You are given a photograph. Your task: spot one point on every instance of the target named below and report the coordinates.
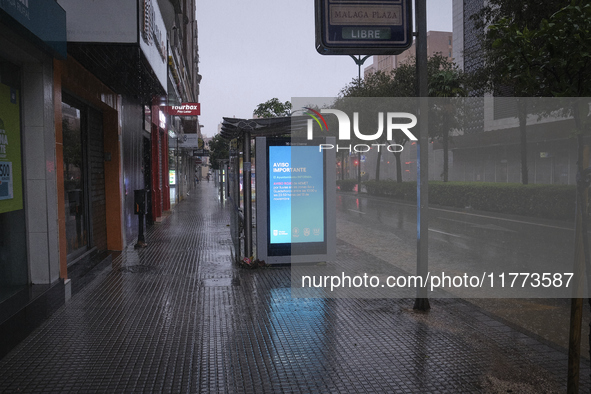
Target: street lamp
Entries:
(200, 146)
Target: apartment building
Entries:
(437, 42)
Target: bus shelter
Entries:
(238, 182)
(254, 201)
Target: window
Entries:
(75, 190)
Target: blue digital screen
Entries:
(296, 194)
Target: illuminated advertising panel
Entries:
(296, 199)
(295, 211)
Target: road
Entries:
(472, 242)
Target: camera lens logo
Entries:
(315, 115)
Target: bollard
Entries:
(139, 208)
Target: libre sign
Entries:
(363, 27)
(187, 109)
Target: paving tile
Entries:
(178, 316)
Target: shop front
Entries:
(32, 34)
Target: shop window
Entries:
(75, 180)
(14, 272)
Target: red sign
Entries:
(186, 109)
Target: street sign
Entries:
(200, 152)
(363, 27)
(188, 141)
(186, 109)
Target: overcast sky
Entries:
(252, 51)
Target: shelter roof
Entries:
(262, 127)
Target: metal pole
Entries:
(247, 197)
(359, 67)
(422, 302)
(358, 172)
(221, 180)
(141, 240)
(576, 315)
(359, 61)
(177, 178)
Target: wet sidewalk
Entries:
(178, 316)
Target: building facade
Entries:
(437, 42)
(32, 35)
(488, 147)
(83, 128)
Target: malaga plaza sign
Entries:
(363, 27)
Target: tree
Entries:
(401, 82)
(374, 85)
(218, 150)
(555, 57)
(446, 114)
(510, 78)
(273, 108)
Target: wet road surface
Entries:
(468, 241)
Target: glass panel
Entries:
(13, 248)
(14, 274)
(74, 183)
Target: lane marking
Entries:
(475, 225)
(352, 210)
(473, 214)
(505, 219)
(454, 220)
(442, 232)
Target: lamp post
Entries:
(359, 61)
(422, 301)
(200, 146)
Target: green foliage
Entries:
(398, 190)
(523, 15)
(446, 80)
(218, 150)
(550, 59)
(346, 185)
(273, 108)
(447, 83)
(376, 84)
(546, 201)
(538, 49)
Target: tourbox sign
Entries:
(186, 109)
(363, 27)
